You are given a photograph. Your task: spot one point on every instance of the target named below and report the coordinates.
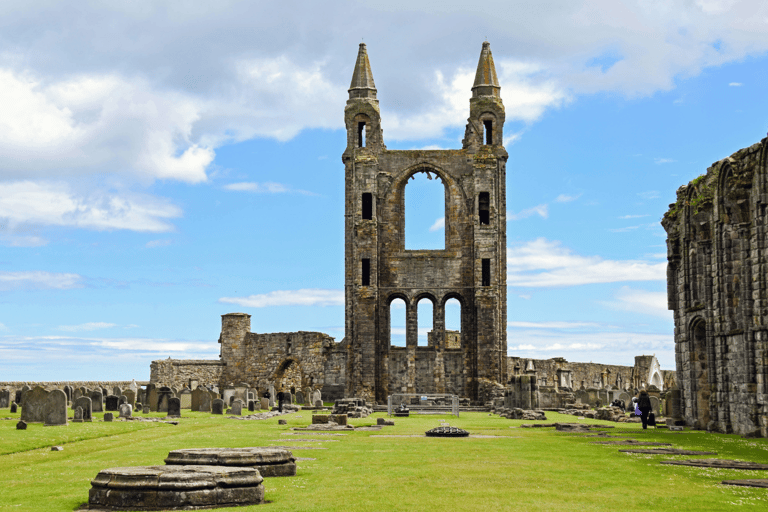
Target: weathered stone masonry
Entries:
(716, 286)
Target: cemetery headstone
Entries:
(264, 403)
(78, 415)
(97, 401)
(111, 403)
(139, 406)
(68, 391)
(307, 396)
(121, 400)
(21, 425)
(318, 403)
(108, 416)
(14, 407)
(126, 410)
(33, 405)
(272, 395)
(5, 398)
(217, 406)
(117, 391)
(317, 397)
(186, 399)
(299, 397)
(145, 410)
(655, 402)
(163, 394)
(201, 400)
(86, 404)
(55, 408)
(130, 396)
(237, 407)
(153, 395)
(251, 405)
(174, 407)
(76, 393)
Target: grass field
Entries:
(512, 469)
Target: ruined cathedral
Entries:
(471, 269)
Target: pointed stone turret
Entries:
(362, 85)
(486, 81)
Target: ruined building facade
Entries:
(718, 289)
(471, 268)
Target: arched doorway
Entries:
(700, 369)
(288, 376)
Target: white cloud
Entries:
(735, 84)
(552, 325)
(541, 210)
(439, 224)
(544, 263)
(640, 301)
(3, 327)
(268, 187)
(659, 161)
(14, 240)
(303, 297)
(633, 216)
(158, 243)
(57, 204)
(39, 280)
(89, 326)
(624, 229)
(564, 198)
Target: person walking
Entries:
(280, 400)
(644, 404)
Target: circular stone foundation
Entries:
(447, 432)
(269, 461)
(175, 488)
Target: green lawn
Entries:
(517, 469)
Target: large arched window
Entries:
(397, 323)
(426, 324)
(424, 212)
(453, 324)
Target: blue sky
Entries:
(163, 164)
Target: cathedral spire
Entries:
(362, 85)
(486, 81)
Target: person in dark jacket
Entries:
(644, 404)
(280, 400)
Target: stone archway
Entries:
(288, 376)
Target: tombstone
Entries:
(319, 404)
(78, 415)
(317, 397)
(655, 406)
(272, 395)
(200, 400)
(108, 416)
(68, 391)
(152, 393)
(237, 407)
(21, 425)
(33, 405)
(186, 399)
(138, 407)
(264, 403)
(14, 407)
(627, 400)
(307, 396)
(117, 391)
(163, 395)
(133, 386)
(251, 405)
(5, 398)
(299, 397)
(241, 392)
(76, 393)
(174, 407)
(228, 395)
(145, 410)
(85, 403)
(217, 406)
(112, 403)
(130, 396)
(121, 400)
(126, 410)
(97, 399)
(17, 396)
(55, 408)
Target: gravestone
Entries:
(14, 407)
(68, 391)
(251, 405)
(174, 407)
(121, 400)
(117, 391)
(17, 396)
(264, 402)
(201, 400)
(126, 410)
(111, 403)
(86, 405)
(108, 416)
(21, 425)
(33, 405)
(317, 397)
(5, 398)
(138, 407)
(299, 397)
(307, 396)
(55, 408)
(272, 395)
(217, 406)
(627, 399)
(97, 401)
(145, 410)
(186, 399)
(152, 394)
(237, 407)
(78, 415)
(163, 395)
(130, 396)
(76, 393)
(655, 406)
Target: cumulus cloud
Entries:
(544, 263)
(640, 301)
(264, 188)
(303, 297)
(438, 225)
(39, 280)
(89, 326)
(57, 204)
(542, 210)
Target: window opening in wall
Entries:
(426, 323)
(361, 134)
(486, 272)
(366, 272)
(453, 324)
(484, 208)
(288, 348)
(488, 124)
(397, 323)
(367, 205)
(425, 198)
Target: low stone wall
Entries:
(178, 372)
